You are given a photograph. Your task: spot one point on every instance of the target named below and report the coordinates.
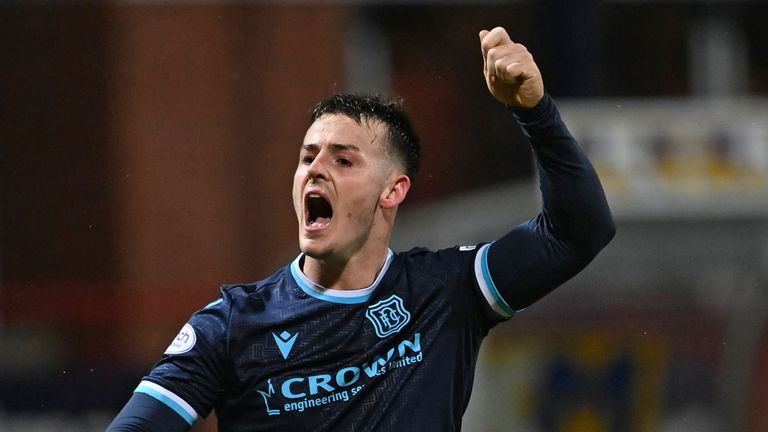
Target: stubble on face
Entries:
(351, 166)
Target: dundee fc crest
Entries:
(388, 316)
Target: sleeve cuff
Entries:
(167, 397)
(487, 287)
(542, 111)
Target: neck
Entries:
(356, 272)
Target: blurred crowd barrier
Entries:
(653, 155)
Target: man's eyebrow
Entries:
(337, 147)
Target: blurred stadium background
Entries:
(147, 149)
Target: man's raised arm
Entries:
(575, 222)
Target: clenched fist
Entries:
(510, 72)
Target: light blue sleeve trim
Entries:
(487, 287)
(169, 399)
(213, 303)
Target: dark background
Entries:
(147, 150)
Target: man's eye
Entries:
(308, 159)
(345, 162)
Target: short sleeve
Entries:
(487, 287)
(190, 378)
(464, 271)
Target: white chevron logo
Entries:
(285, 342)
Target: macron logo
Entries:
(285, 342)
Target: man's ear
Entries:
(396, 191)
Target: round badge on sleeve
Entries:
(184, 341)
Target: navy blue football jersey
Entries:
(286, 354)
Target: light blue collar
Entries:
(333, 295)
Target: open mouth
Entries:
(319, 211)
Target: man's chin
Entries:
(314, 250)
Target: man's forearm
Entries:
(575, 206)
(144, 413)
(574, 225)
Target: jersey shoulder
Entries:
(215, 319)
(237, 293)
(457, 272)
(441, 261)
(449, 267)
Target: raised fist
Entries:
(510, 72)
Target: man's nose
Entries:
(317, 169)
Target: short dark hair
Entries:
(403, 141)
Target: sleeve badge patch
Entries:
(184, 341)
